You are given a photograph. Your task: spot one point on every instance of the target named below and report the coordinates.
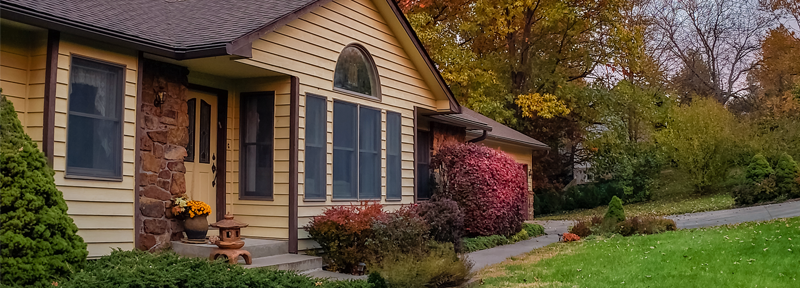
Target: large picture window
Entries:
(94, 126)
(356, 152)
(355, 73)
(316, 152)
(256, 151)
(393, 157)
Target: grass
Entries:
(754, 254)
(672, 195)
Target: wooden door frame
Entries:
(222, 140)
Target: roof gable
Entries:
(185, 29)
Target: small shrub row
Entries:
(762, 183)
(588, 196)
(615, 222)
(485, 242)
(533, 230)
(169, 270)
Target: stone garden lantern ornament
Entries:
(230, 241)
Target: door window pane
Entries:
(94, 131)
(316, 140)
(205, 131)
(192, 104)
(423, 165)
(393, 164)
(344, 150)
(257, 145)
(369, 154)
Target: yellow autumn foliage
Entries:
(544, 105)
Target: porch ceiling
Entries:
(223, 66)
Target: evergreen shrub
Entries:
(615, 211)
(170, 270)
(488, 185)
(38, 240)
(786, 174)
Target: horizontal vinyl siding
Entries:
(266, 219)
(309, 47)
(103, 210)
(22, 75)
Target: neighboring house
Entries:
(270, 110)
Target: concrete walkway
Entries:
(491, 256)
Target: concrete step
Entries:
(293, 262)
(258, 248)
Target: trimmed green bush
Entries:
(786, 174)
(377, 280)
(484, 242)
(615, 211)
(759, 169)
(521, 235)
(38, 243)
(170, 270)
(534, 230)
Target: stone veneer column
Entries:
(162, 149)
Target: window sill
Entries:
(356, 94)
(315, 200)
(93, 178)
(258, 198)
(356, 200)
(394, 199)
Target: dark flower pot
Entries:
(196, 228)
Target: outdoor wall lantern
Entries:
(160, 96)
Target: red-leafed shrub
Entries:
(342, 232)
(445, 220)
(582, 228)
(488, 185)
(569, 237)
(402, 231)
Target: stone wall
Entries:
(162, 140)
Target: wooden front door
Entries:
(201, 159)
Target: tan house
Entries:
(269, 110)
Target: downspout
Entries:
(481, 138)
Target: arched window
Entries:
(355, 72)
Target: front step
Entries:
(257, 247)
(293, 262)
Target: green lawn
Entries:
(678, 204)
(756, 254)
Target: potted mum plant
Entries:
(195, 218)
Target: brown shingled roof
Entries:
(502, 132)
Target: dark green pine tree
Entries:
(38, 240)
